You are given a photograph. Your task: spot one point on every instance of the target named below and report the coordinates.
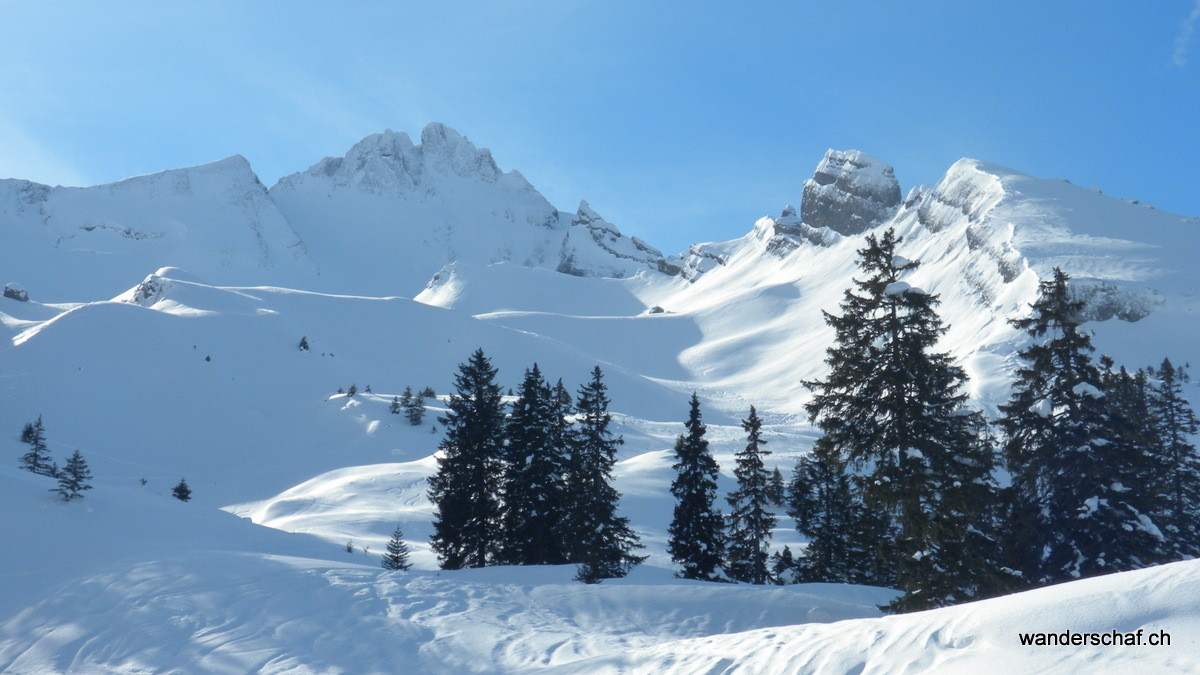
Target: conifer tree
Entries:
(1176, 425)
(533, 490)
(893, 409)
(1140, 455)
(181, 491)
(1073, 510)
(783, 567)
(465, 489)
(843, 535)
(598, 540)
(73, 478)
(414, 407)
(696, 534)
(750, 523)
(396, 557)
(303, 346)
(37, 459)
(395, 407)
(352, 390)
(777, 491)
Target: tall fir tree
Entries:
(1071, 477)
(599, 541)
(465, 489)
(533, 490)
(894, 409)
(73, 478)
(750, 522)
(696, 534)
(37, 459)
(181, 491)
(396, 557)
(1176, 425)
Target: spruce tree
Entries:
(303, 346)
(465, 489)
(395, 407)
(37, 459)
(1176, 425)
(181, 491)
(598, 540)
(533, 491)
(696, 534)
(414, 407)
(73, 478)
(783, 567)
(1069, 467)
(396, 557)
(750, 523)
(777, 490)
(843, 535)
(1140, 456)
(893, 409)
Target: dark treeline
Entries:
(899, 490)
(529, 483)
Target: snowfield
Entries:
(161, 340)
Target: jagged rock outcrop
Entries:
(16, 292)
(789, 232)
(850, 193)
(595, 247)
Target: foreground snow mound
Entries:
(972, 638)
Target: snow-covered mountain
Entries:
(216, 220)
(384, 218)
(160, 339)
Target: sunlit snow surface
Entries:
(184, 375)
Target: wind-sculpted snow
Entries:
(156, 585)
(973, 638)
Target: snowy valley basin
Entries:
(161, 334)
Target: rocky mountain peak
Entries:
(849, 193)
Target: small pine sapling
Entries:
(73, 478)
(303, 343)
(396, 557)
(181, 491)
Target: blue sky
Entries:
(679, 122)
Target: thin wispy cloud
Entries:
(1184, 39)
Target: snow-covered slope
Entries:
(216, 220)
(195, 372)
(977, 637)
